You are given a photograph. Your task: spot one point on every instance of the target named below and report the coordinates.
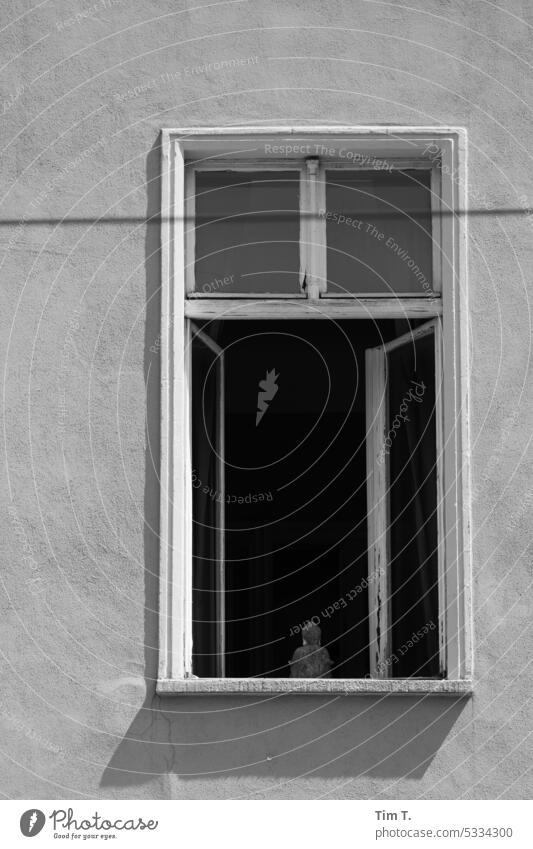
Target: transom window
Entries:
(310, 227)
(314, 525)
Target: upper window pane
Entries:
(247, 232)
(378, 228)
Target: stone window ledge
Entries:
(312, 686)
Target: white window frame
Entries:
(313, 226)
(444, 149)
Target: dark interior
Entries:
(295, 505)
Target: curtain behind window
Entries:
(413, 511)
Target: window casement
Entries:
(332, 258)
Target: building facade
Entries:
(87, 94)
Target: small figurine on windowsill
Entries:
(311, 660)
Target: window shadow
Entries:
(276, 738)
(286, 737)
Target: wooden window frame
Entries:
(429, 147)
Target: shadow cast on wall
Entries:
(285, 737)
(270, 737)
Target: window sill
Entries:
(311, 686)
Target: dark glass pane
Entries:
(413, 510)
(247, 232)
(379, 231)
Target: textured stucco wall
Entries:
(80, 310)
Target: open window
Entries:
(313, 411)
(318, 507)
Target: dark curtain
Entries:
(251, 621)
(260, 630)
(413, 511)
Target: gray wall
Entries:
(80, 311)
